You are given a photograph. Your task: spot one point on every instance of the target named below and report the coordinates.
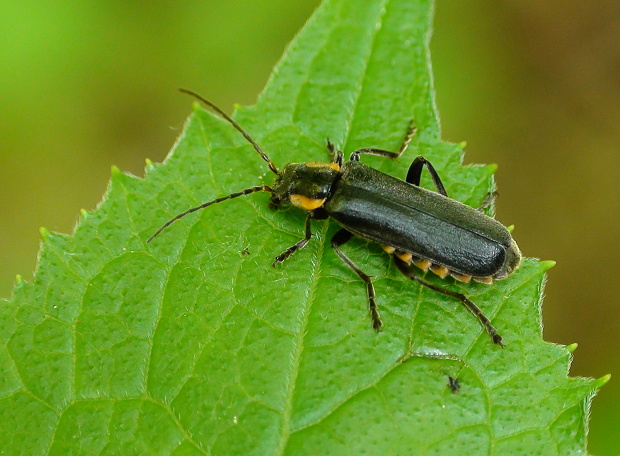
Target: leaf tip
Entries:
(18, 279)
(572, 347)
(115, 171)
(196, 106)
(600, 382)
(546, 265)
(45, 233)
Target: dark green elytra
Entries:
(428, 225)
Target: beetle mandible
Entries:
(417, 226)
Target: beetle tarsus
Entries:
(374, 316)
(340, 238)
(411, 131)
(497, 339)
(297, 246)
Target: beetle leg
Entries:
(355, 156)
(336, 155)
(415, 171)
(330, 147)
(473, 308)
(338, 158)
(299, 245)
(411, 129)
(340, 238)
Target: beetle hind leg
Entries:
(408, 272)
(340, 238)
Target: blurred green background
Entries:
(532, 86)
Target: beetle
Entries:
(417, 226)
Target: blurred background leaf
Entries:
(532, 86)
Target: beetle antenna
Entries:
(259, 188)
(245, 134)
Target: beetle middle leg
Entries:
(340, 238)
(409, 272)
(297, 246)
(415, 172)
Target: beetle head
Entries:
(304, 185)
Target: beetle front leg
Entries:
(339, 239)
(415, 172)
(473, 308)
(336, 155)
(299, 245)
(411, 129)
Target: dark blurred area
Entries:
(532, 86)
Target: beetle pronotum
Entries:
(417, 226)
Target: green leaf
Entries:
(189, 345)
